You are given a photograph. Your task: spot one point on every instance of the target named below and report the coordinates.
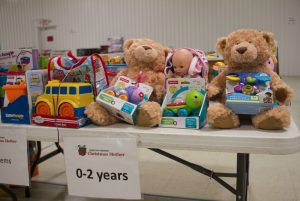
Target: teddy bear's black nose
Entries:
(241, 50)
(147, 47)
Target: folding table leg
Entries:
(9, 192)
(242, 177)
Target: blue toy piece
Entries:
(182, 113)
(169, 113)
(131, 94)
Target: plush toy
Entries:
(140, 55)
(247, 51)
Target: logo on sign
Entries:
(81, 150)
(124, 80)
(173, 82)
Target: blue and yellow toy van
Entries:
(72, 99)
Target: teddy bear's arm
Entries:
(123, 72)
(283, 93)
(216, 87)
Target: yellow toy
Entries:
(216, 68)
(115, 60)
(72, 99)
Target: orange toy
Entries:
(15, 91)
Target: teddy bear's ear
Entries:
(167, 51)
(221, 44)
(127, 44)
(269, 37)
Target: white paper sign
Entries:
(102, 167)
(13, 157)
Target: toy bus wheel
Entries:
(123, 97)
(66, 110)
(182, 113)
(43, 109)
(110, 92)
(169, 113)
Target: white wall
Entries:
(178, 23)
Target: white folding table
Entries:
(244, 140)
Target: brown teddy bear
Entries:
(140, 55)
(247, 51)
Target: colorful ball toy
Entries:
(183, 108)
(131, 94)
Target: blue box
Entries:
(17, 112)
(248, 93)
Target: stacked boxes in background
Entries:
(115, 44)
(44, 62)
(28, 57)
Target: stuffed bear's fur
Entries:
(140, 55)
(247, 51)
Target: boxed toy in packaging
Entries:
(17, 111)
(124, 98)
(248, 93)
(28, 57)
(115, 40)
(115, 44)
(63, 104)
(62, 53)
(36, 81)
(11, 78)
(82, 52)
(184, 104)
(44, 62)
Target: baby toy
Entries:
(15, 91)
(149, 57)
(272, 60)
(185, 65)
(216, 68)
(248, 83)
(244, 51)
(131, 94)
(181, 108)
(72, 99)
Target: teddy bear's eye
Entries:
(238, 43)
(250, 42)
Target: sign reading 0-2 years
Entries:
(102, 167)
(13, 157)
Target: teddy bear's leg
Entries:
(277, 118)
(220, 116)
(99, 115)
(149, 114)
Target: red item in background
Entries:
(49, 38)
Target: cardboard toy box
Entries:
(44, 62)
(177, 91)
(68, 122)
(16, 112)
(62, 53)
(36, 81)
(248, 93)
(28, 57)
(119, 108)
